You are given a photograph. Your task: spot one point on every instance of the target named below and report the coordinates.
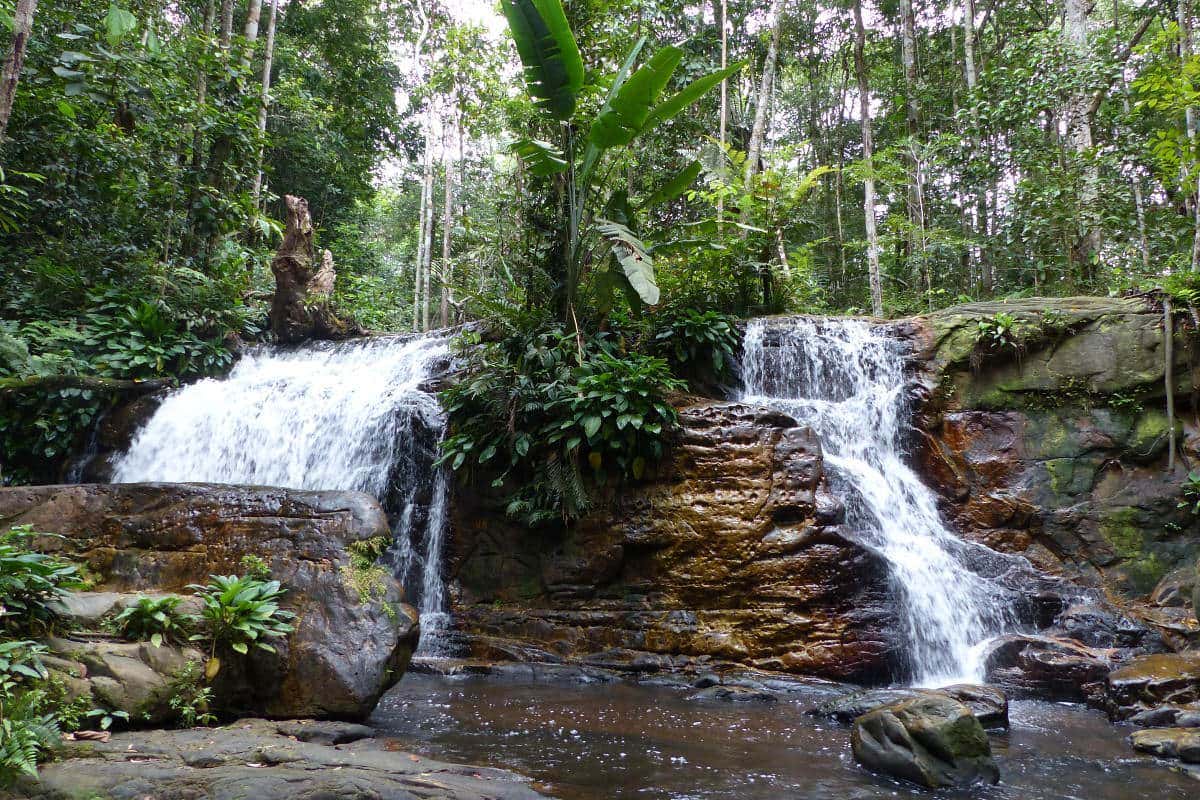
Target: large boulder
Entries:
(263, 760)
(932, 740)
(1056, 447)
(1150, 681)
(987, 703)
(353, 636)
(731, 552)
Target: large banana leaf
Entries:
(688, 95)
(625, 113)
(553, 67)
(540, 158)
(632, 256)
(675, 186)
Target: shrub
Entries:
(698, 342)
(1190, 491)
(26, 729)
(255, 567)
(241, 612)
(153, 619)
(30, 582)
(537, 407)
(189, 699)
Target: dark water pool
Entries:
(623, 740)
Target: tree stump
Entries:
(301, 308)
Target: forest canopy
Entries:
(631, 169)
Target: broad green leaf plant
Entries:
(634, 105)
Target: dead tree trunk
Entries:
(301, 306)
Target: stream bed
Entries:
(633, 740)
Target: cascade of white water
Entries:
(845, 378)
(347, 416)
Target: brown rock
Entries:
(1181, 743)
(161, 537)
(1151, 681)
(1047, 667)
(731, 552)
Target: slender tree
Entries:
(864, 93)
(264, 99)
(11, 75)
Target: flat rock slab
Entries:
(1181, 743)
(1150, 681)
(262, 760)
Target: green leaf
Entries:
(240, 647)
(591, 425)
(118, 23)
(625, 114)
(540, 158)
(553, 67)
(156, 640)
(675, 186)
(634, 260)
(689, 94)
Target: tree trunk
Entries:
(22, 27)
(722, 124)
(762, 109)
(264, 100)
(1079, 135)
(864, 93)
(427, 268)
(226, 35)
(300, 309)
(419, 269)
(250, 32)
(984, 265)
(447, 219)
(912, 124)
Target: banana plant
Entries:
(634, 105)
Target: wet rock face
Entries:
(1180, 743)
(1055, 448)
(1046, 666)
(346, 649)
(987, 703)
(931, 740)
(1152, 681)
(732, 552)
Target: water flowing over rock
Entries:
(1055, 447)
(730, 553)
(846, 378)
(348, 416)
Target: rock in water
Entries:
(1149, 681)
(1181, 743)
(931, 740)
(353, 636)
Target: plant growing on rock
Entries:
(153, 619)
(1190, 491)
(189, 699)
(30, 582)
(241, 612)
(538, 406)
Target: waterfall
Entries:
(346, 416)
(845, 378)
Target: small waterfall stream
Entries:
(346, 416)
(845, 378)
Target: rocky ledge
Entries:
(732, 552)
(353, 636)
(255, 758)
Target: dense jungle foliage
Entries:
(608, 169)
